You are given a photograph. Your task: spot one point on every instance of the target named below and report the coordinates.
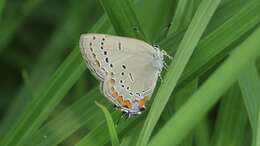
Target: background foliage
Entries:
(209, 95)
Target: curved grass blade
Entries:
(188, 44)
(110, 125)
(209, 93)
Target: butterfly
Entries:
(127, 68)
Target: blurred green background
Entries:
(35, 37)
(47, 96)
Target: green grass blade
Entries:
(97, 136)
(209, 93)
(9, 27)
(213, 47)
(60, 136)
(154, 20)
(225, 12)
(179, 15)
(206, 53)
(54, 139)
(123, 18)
(258, 130)
(39, 108)
(75, 116)
(2, 5)
(188, 44)
(51, 56)
(110, 125)
(232, 120)
(249, 83)
(202, 133)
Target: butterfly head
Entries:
(159, 58)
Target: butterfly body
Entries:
(127, 68)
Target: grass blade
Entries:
(50, 58)
(232, 120)
(154, 20)
(249, 83)
(188, 44)
(39, 108)
(75, 116)
(123, 18)
(209, 93)
(213, 47)
(2, 5)
(179, 15)
(258, 130)
(9, 27)
(55, 139)
(110, 125)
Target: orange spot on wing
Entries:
(141, 102)
(127, 104)
(114, 94)
(120, 99)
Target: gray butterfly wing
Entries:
(125, 65)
